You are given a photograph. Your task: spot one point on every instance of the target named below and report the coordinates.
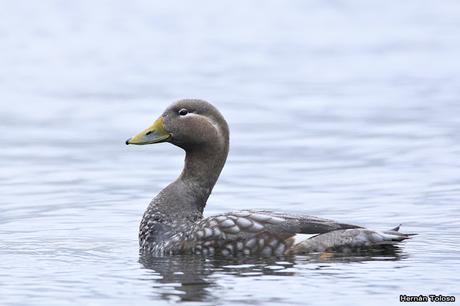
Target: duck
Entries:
(173, 222)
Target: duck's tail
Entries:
(350, 240)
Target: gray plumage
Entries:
(173, 222)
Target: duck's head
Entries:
(188, 124)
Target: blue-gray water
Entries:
(342, 109)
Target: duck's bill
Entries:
(153, 134)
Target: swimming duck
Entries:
(173, 222)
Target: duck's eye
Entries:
(183, 112)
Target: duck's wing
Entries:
(299, 223)
(270, 233)
(255, 232)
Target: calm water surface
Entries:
(342, 109)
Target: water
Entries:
(341, 109)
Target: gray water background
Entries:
(342, 109)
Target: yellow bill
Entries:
(153, 134)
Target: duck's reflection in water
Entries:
(192, 277)
(185, 274)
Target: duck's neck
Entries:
(186, 197)
(202, 168)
